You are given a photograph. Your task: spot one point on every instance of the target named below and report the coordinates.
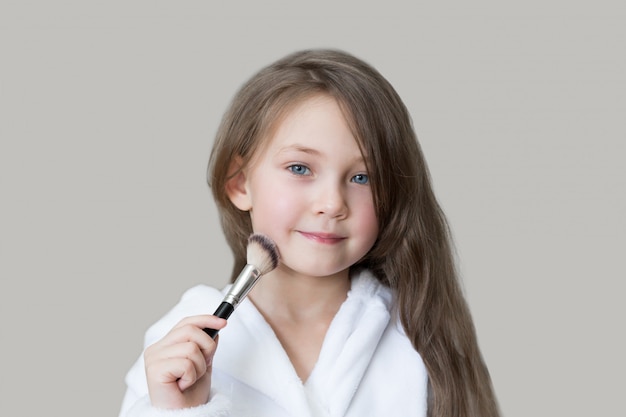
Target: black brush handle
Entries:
(223, 311)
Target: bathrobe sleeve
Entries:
(197, 300)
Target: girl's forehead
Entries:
(311, 122)
(304, 106)
(289, 118)
(318, 108)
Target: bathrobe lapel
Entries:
(253, 354)
(350, 344)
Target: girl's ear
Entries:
(236, 186)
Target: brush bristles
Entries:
(262, 253)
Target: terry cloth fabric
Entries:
(366, 366)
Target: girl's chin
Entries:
(312, 271)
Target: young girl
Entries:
(364, 315)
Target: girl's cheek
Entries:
(283, 207)
(276, 210)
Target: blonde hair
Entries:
(413, 253)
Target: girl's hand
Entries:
(178, 367)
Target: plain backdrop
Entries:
(107, 116)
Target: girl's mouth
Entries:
(320, 237)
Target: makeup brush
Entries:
(261, 257)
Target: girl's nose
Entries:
(331, 201)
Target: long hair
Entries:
(413, 253)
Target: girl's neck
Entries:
(300, 309)
(285, 295)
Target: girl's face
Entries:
(308, 189)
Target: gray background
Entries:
(108, 111)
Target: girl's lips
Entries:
(320, 237)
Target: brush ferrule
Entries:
(243, 284)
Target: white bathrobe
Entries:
(366, 366)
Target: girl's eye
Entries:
(299, 169)
(361, 179)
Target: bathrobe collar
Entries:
(346, 352)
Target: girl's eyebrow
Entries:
(298, 148)
(308, 150)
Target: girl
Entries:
(364, 314)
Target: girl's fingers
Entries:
(178, 367)
(196, 322)
(184, 354)
(190, 330)
(179, 371)
(187, 350)
(202, 321)
(181, 364)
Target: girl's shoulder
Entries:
(370, 289)
(201, 294)
(366, 286)
(200, 299)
